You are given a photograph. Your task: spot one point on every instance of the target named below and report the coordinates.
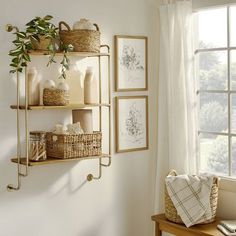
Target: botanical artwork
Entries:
(132, 123)
(131, 63)
(130, 59)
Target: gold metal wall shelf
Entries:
(51, 160)
(68, 107)
(19, 160)
(76, 54)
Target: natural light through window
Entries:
(213, 28)
(216, 76)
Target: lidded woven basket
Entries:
(171, 212)
(83, 40)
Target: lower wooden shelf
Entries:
(51, 160)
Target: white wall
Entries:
(56, 200)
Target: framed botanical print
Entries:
(131, 66)
(131, 123)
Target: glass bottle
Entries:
(37, 146)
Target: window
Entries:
(216, 76)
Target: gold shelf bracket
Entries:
(11, 187)
(91, 177)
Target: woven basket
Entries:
(170, 210)
(42, 44)
(82, 40)
(65, 146)
(55, 97)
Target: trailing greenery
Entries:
(43, 27)
(20, 52)
(23, 42)
(65, 62)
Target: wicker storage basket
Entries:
(82, 40)
(171, 213)
(55, 97)
(42, 44)
(66, 146)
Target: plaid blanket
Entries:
(191, 197)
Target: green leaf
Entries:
(28, 42)
(29, 46)
(13, 54)
(35, 37)
(15, 60)
(30, 30)
(50, 47)
(17, 42)
(12, 71)
(31, 23)
(48, 36)
(48, 17)
(26, 57)
(20, 69)
(18, 49)
(41, 28)
(21, 35)
(23, 64)
(13, 65)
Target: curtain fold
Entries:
(176, 96)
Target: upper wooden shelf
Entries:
(68, 107)
(78, 54)
(51, 160)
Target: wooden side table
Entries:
(162, 224)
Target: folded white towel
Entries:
(191, 197)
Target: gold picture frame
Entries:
(131, 63)
(132, 132)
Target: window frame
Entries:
(227, 91)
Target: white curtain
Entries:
(176, 105)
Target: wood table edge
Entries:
(161, 219)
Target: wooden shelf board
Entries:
(51, 160)
(68, 107)
(80, 54)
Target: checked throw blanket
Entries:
(191, 197)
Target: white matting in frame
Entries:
(131, 123)
(131, 63)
